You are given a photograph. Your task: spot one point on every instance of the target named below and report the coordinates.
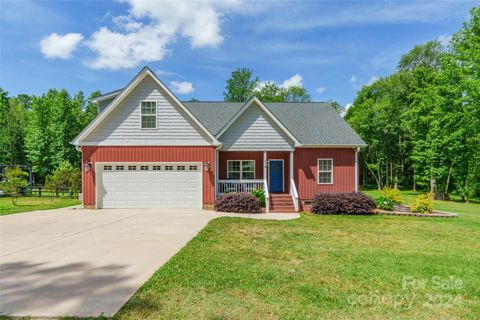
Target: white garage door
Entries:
(149, 185)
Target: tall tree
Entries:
(295, 94)
(13, 123)
(426, 55)
(240, 86)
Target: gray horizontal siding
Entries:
(254, 130)
(122, 125)
(103, 104)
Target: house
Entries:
(147, 149)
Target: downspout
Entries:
(357, 150)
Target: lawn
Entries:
(25, 204)
(322, 267)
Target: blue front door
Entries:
(275, 177)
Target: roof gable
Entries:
(124, 94)
(255, 102)
(254, 129)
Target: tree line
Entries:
(422, 123)
(38, 130)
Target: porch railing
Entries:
(226, 186)
(267, 196)
(294, 193)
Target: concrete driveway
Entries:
(85, 262)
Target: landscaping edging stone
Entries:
(434, 214)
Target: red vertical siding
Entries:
(148, 154)
(224, 156)
(305, 161)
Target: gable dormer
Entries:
(255, 128)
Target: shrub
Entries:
(237, 202)
(385, 203)
(392, 194)
(64, 178)
(260, 195)
(15, 179)
(343, 203)
(423, 203)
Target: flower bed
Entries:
(403, 210)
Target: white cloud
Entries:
(444, 39)
(60, 46)
(309, 16)
(371, 80)
(344, 111)
(320, 90)
(182, 87)
(353, 79)
(295, 81)
(126, 50)
(165, 73)
(135, 41)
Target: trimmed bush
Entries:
(423, 203)
(392, 194)
(260, 195)
(385, 203)
(237, 202)
(343, 203)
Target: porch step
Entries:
(281, 202)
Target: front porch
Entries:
(245, 171)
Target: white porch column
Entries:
(265, 165)
(216, 173)
(356, 168)
(291, 165)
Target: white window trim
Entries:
(241, 170)
(318, 171)
(156, 115)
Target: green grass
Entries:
(321, 267)
(25, 204)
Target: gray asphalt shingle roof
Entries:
(310, 122)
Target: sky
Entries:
(332, 48)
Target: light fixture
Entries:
(88, 166)
(207, 166)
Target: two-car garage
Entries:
(149, 185)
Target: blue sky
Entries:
(331, 48)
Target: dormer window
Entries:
(148, 114)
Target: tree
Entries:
(295, 94)
(426, 55)
(14, 180)
(338, 107)
(422, 123)
(240, 86)
(90, 110)
(269, 92)
(64, 178)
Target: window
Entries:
(119, 168)
(132, 167)
(325, 171)
(193, 168)
(107, 168)
(156, 168)
(143, 168)
(181, 168)
(168, 168)
(240, 169)
(149, 114)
